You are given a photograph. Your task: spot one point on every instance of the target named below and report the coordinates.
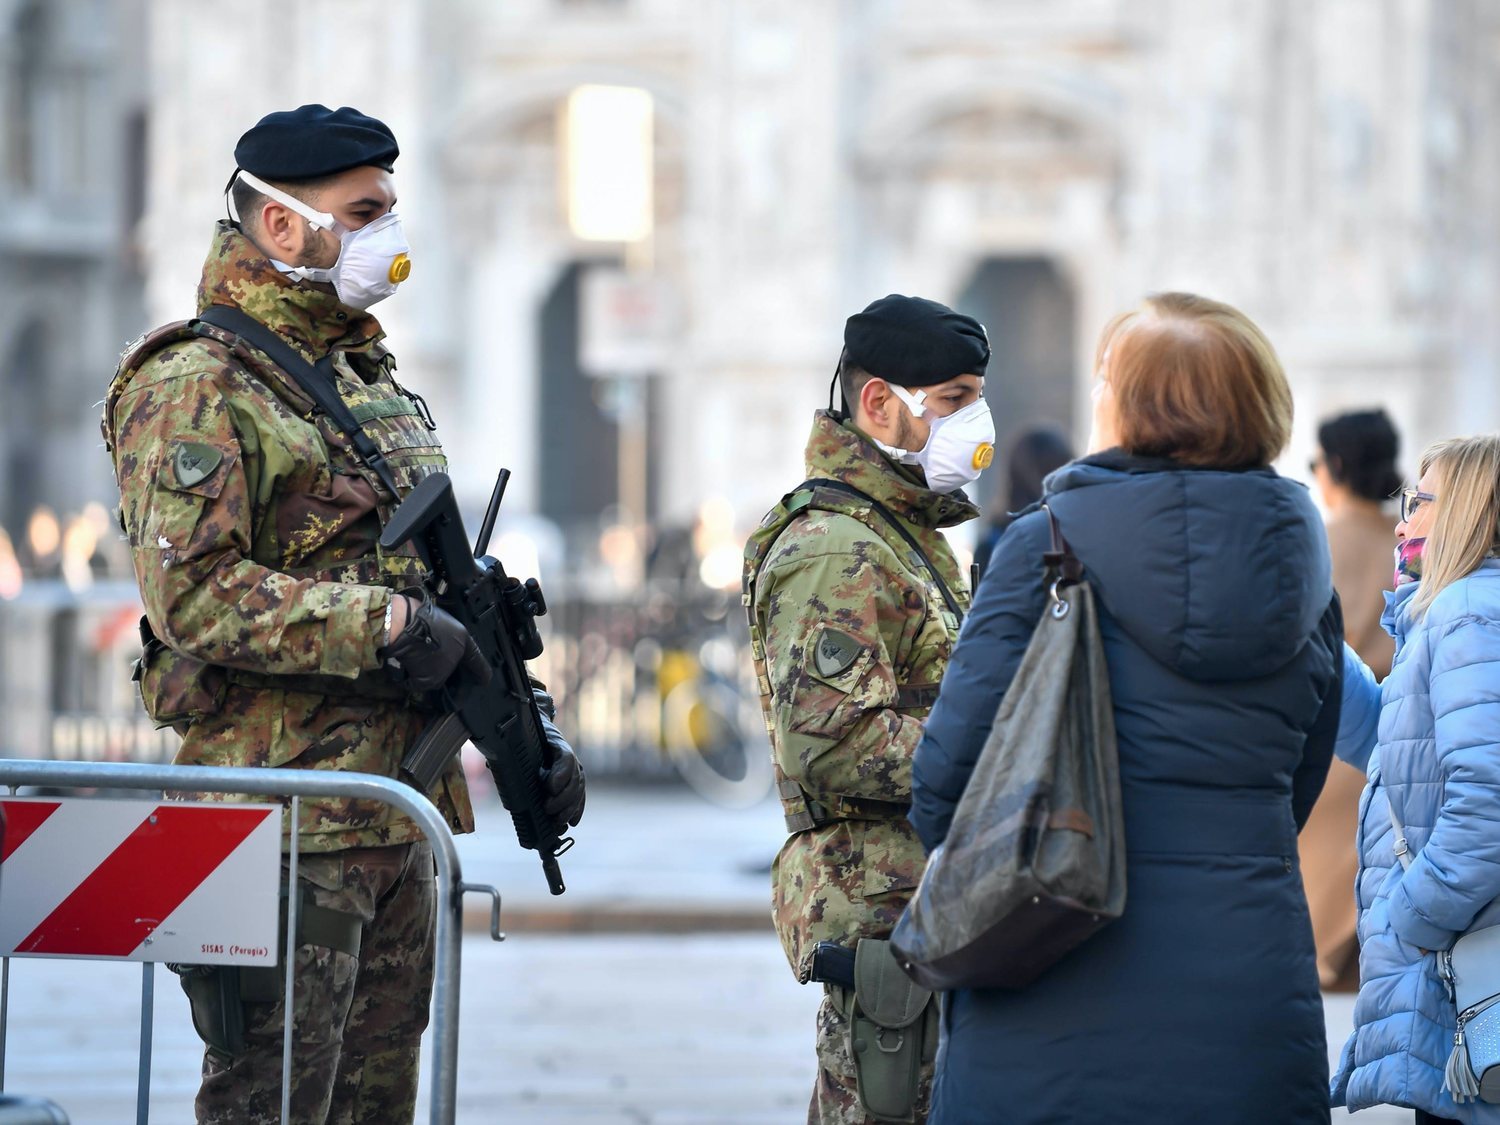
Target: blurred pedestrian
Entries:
(1033, 454)
(855, 601)
(1222, 637)
(1431, 730)
(277, 631)
(1356, 475)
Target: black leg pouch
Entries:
(213, 993)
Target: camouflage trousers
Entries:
(357, 1022)
(835, 1099)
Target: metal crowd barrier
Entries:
(294, 783)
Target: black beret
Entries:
(914, 342)
(313, 141)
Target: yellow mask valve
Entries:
(400, 268)
(983, 456)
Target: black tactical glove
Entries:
(544, 701)
(562, 781)
(431, 648)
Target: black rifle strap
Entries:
(317, 380)
(890, 518)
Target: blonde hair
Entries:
(1195, 380)
(1466, 513)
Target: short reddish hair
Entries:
(1196, 381)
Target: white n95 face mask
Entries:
(959, 446)
(372, 261)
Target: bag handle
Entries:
(1063, 567)
(890, 518)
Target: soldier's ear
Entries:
(283, 230)
(876, 400)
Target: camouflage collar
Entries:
(839, 450)
(238, 274)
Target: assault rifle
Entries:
(500, 718)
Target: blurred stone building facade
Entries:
(1332, 166)
(1328, 165)
(72, 189)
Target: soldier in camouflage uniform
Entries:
(855, 601)
(275, 630)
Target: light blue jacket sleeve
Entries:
(1457, 872)
(1359, 721)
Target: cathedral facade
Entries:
(1329, 166)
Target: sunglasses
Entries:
(1412, 501)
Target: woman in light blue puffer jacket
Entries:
(1430, 740)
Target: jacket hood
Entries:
(1219, 575)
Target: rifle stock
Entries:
(500, 718)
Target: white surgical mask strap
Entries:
(913, 401)
(323, 220)
(304, 273)
(900, 456)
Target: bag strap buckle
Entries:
(1062, 564)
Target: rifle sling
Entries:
(890, 518)
(316, 381)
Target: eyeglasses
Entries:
(1412, 501)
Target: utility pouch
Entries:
(176, 689)
(893, 1032)
(218, 994)
(213, 993)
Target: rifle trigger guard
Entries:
(494, 893)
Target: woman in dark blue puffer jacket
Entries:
(1223, 639)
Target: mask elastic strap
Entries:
(229, 210)
(914, 401)
(303, 273)
(322, 220)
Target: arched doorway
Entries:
(1029, 310)
(514, 254)
(580, 463)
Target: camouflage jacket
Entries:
(851, 636)
(254, 530)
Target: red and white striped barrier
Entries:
(140, 880)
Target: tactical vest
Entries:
(802, 810)
(177, 688)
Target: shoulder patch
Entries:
(836, 652)
(195, 462)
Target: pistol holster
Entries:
(218, 994)
(893, 1032)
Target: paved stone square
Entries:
(628, 1016)
(554, 1030)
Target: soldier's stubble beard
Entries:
(315, 249)
(316, 254)
(906, 433)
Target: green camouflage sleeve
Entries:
(187, 507)
(832, 674)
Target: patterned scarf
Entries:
(1409, 561)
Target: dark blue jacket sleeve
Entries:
(1317, 755)
(994, 638)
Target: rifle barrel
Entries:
(491, 514)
